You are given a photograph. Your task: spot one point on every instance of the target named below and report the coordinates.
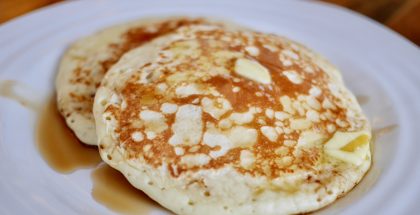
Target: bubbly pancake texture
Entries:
(216, 121)
(87, 60)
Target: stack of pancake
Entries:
(208, 117)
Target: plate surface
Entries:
(378, 65)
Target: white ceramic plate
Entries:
(376, 63)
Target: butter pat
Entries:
(351, 147)
(252, 70)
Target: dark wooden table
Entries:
(403, 16)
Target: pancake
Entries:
(85, 63)
(217, 121)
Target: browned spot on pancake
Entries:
(282, 85)
(243, 100)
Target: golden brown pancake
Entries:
(218, 121)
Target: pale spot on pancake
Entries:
(289, 143)
(168, 108)
(341, 123)
(215, 107)
(287, 104)
(147, 148)
(187, 90)
(287, 130)
(298, 106)
(179, 151)
(330, 128)
(327, 104)
(154, 121)
(252, 70)
(315, 91)
(286, 62)
(310, 139)
(225, 123)
(243, 118)
(188, 126)
(123, 105)
(312, 115)
(308, 69)
(261, 121)
(177, 78)
(280, 115)
(161, 88)
(284, 161)
(270, 47)
(195, 160)
(282, 151)
(269, 113)
(115, 99)
(293, 76)
(252, 50)
(150, 135)
(279, 130)
(270, 133)
(334, 89)
(194, 148)
(247, 159)
(300, 124)
(214, 139)
(236, 89)
(289, 53)
(313, 103)
(195, 101)
(137, 136)
(242, 136)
